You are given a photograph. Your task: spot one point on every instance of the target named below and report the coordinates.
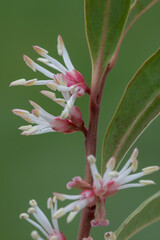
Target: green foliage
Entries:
(139, 105)
(147, 213)
(138, 9)
(105, 21)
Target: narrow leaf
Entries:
(139, 105)
(147, 213)
(138, 8)
(105, 21)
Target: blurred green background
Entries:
(35, 166)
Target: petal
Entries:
(79, 183)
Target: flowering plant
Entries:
(139, 105)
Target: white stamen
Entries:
(43, 60)
(46, 130)
(49, 203)
(61, 212)
(124, 174)
(36, 236)
(113, 174)
(44, 71)
(91, 159)
(45, 115)
(109, 167)
(94, 171)
(71, 101)
(42, 82)
(71, 216)
(63, 197)
(31, 210)
(62, 51)
(30, 63)
(40, 51)
(49, 94)
(54, 221)
(149, 170)
(47, 62)
(60, 88)
(131, 185)
(146, 182)
(55, 64)
(52, 86)
(134, 165)
(25, 128)
(64, 113)
(42, 219)
(111, 163)
(134, 155)
(34, 66)
(109, 236)
(60, 101)
(31, 131)
(82, 203)
(33, 203)
(132, 177)
(18, 82)
(20, 112)
(30, 82)
(53, 238)
(26, 217)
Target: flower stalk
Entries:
(96, 92)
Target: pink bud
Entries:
(79, 183)
(63, 125)
(76, 116)
(75, 78)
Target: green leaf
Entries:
(138, 8)
(105, 21)
(147, 213)
(139, 105)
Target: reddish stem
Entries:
(90, 146)
(91, 138)
(84, 130)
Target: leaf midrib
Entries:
(133, 124)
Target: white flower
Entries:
(69, 81)
(42, 223)
(103, 187)
(46, 122)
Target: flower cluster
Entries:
(69, 82)
(43, 225)
(103, 187)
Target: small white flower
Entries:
(46, 122)
(69, 81)
(103, 187)
(42, 223)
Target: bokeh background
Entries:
(35, 166)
